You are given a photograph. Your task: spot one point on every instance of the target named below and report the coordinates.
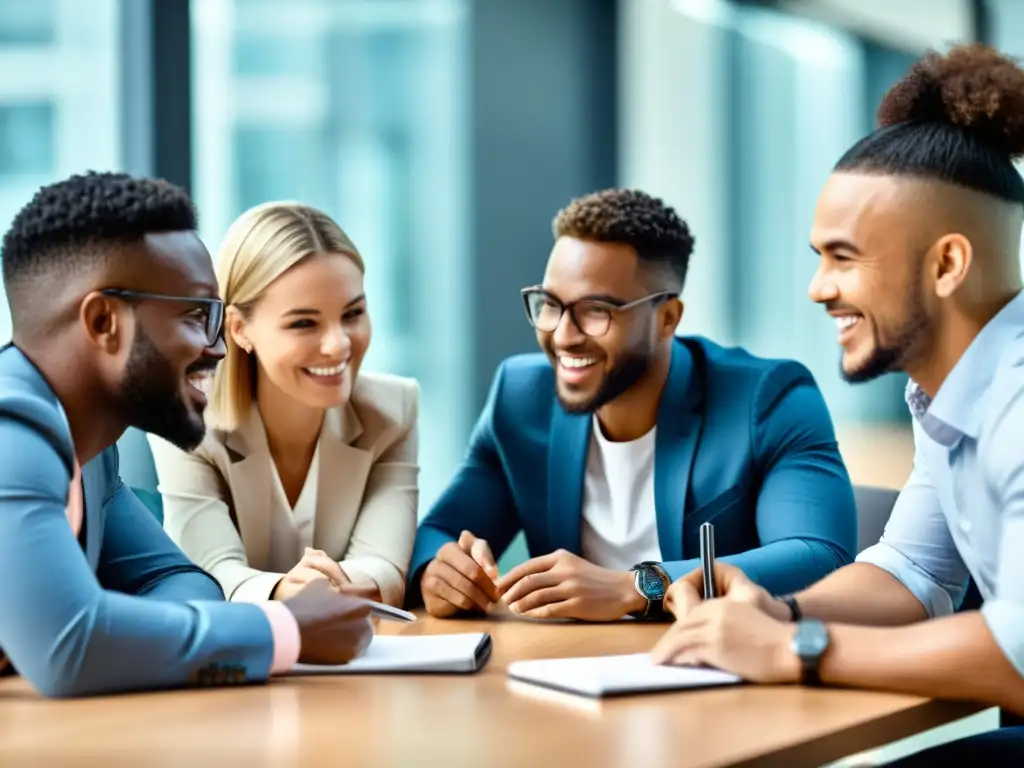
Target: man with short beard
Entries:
(116, 323)
(918, 232)
(613, 447)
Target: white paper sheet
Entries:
(615, 675)
(466, 652)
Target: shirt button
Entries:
(965, 525)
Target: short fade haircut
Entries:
(66, 225)
(627, 216)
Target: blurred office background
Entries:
(444, 134)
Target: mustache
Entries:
(836, 306)
(578, 349)
(202, 366)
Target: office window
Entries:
(266, 158)
(28, 22)
(791, 118)
(259, 55)
(27, 138)
(356, 108)
(60, 106)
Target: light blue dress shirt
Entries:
(961, 512)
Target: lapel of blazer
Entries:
(567, 464)
(251, 479)
(679, 427)
(94, 477)
(343, 473)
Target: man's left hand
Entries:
(565, 586)
(733, 636)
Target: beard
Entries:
(631, 367)
(152, 399)
(893, 356)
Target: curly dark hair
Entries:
(660, 238)
(956, 117)
(66, 225)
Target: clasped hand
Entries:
(317, 564)
(464, 577)
(745, 631)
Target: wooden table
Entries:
(478, 720)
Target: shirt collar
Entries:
(956, 410)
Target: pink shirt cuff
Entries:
(285, 630)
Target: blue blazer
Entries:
(743, 442)
(119, 608)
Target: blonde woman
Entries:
(309, 468)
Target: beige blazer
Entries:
(217, 500)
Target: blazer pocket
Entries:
(723, 502)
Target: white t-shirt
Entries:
(620, 527)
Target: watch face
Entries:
(811, 638)
(651, 586)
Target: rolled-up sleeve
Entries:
(1004, 611)
(917, 547)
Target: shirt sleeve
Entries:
(917, 547)
(1004, 611)
(287, 642)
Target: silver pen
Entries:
(707, 559)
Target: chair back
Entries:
(874, 505)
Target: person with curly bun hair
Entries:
(613, 446)
(918, 233)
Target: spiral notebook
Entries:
(463, 653)
(600, 676)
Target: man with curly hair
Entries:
(918, 232)
(116, 323)
(613, 446)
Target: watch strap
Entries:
(809, 674)
(655, 607)
(795, 614)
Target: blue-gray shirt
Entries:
(961, 512)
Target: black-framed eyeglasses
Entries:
(213, 316)
(592, 316)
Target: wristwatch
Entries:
(651, 581)
(809, 644)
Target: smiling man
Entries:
(116, 323)
(918, 232)
(613, 446)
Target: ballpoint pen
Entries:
(707, 559)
